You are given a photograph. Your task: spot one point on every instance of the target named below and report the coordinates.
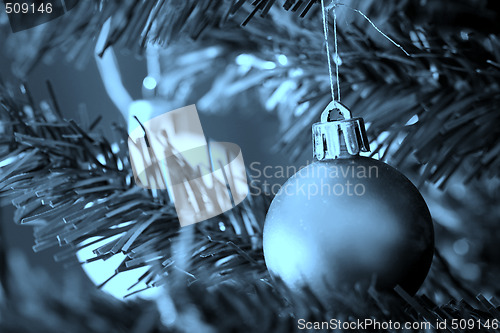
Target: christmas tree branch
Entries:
(71, 185)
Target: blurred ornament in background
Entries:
(347, 219)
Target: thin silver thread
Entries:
(325, 30)
(337, 58)
(373, 25)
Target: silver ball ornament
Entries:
(347, 219)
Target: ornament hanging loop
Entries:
(338, 138)
(335, 107)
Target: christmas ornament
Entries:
(348, 219)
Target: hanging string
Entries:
(324, 11)
(334, 5)
(337, 57)
(325, 30)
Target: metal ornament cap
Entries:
(341, 138)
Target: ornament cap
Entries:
(340, 138)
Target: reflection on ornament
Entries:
(347, 219)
